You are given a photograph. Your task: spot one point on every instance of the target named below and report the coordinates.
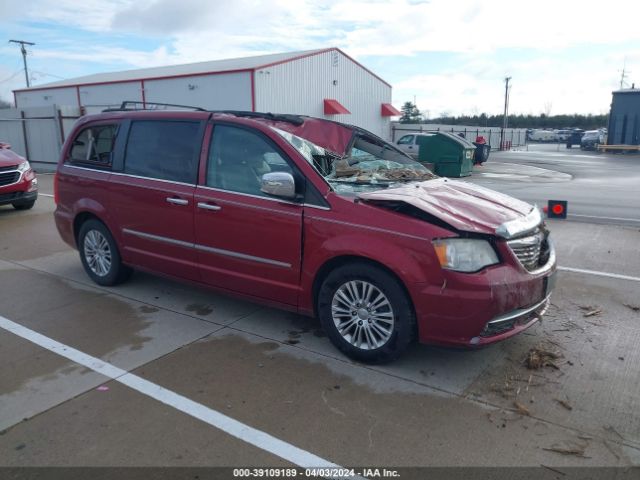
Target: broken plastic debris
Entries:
(102, 388)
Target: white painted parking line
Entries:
(599, 274)
(605, 218)
(248, 434)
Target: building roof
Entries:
(200, 68)
(627, 90)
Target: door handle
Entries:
(208, 206)
(177, 201)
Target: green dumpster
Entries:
(451, 154)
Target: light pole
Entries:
(505, 120)
(22, 44)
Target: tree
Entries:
(5, 104)
(410, 113)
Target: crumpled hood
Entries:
(463, 205)
(9, 158)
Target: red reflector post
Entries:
(557, 209)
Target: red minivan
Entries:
(305, 214)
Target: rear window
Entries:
(166, 150)
(93, 147)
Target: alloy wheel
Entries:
(97, 253)
(362, 314)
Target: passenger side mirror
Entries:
(279, 184)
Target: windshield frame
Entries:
(305, 148)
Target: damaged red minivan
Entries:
(308, 215)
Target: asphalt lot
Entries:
(161, 370)
(600, 188)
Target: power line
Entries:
(12, 76)
(23, 50)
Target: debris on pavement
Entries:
(570, 448)
(635, 308)
(590, 311)
(102, 388)
(564, 403)
(521, 409)
(539, 357)
(552, 469)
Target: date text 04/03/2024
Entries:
(286, 473)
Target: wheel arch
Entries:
(80, 219)
(335, 262)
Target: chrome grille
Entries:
(9, 178)
(530, 250)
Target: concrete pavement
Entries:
(277, 373)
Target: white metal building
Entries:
(322, 83)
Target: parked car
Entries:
(543, 136)
(305, 214)
(563, 135)
(591, 139)
(18, 182)
(409, 145)
(575, 138)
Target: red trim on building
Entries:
(388, 110)
(334, 107)
(144, 98)
(253, 91)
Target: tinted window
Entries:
(93, 146)
(406, 140)
(238, 158)
(163, 150)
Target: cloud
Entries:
(162, 32)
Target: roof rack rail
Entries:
(129, 105)
(276, 117)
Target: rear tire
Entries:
(24, 206)
(366, 313)
(100, 255)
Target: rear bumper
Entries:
(64, 224)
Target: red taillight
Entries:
(55, 188)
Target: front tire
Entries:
(100, 255)
(366, 313)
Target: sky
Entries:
(450, 56)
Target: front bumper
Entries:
(472, 310)
(23, 191)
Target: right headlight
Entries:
(24, 166)
(464, 254)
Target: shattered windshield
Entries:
(370, 163)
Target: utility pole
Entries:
(625, 74)
(505, 120)
(22, 44)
